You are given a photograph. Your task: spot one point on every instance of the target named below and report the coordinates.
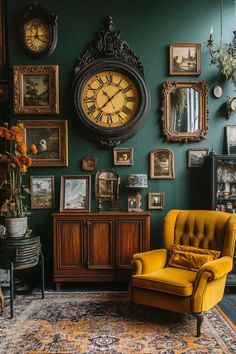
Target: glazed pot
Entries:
(16, 227)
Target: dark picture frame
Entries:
(42, 193)
(35, 89)
(231, 139)
(185, 59)
(156, 200)
(89, 163)
(107, 183)
(196, 157)
(162, 164)
(53, 134)
(123, 156)
(75, 195)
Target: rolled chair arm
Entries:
(148, 262)
(217, 268)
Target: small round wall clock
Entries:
(111, 96)
(38, 31)
(218, 91)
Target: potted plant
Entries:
(225, 60)
(14, 164)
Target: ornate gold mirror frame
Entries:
(185, 102)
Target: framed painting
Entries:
(162, 164)
(133, 203)
(2, 37)
(89, 163)
(35, 89)
(196, 157)
(42, 192)
(123, 156)
(231, 139)
(156, 200)
(75, 193)
(107, 184)
(185, 59)
(46, 142)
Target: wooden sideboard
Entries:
(97, 246)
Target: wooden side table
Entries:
(20, 254)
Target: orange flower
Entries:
(26, 160)
(23, 169)
(2, 132)
(22, 148)
(20, 125)
(34, 149)
(19, 137)
(9, 135)
(15, 129)
(15, 160)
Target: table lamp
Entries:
(137, 181)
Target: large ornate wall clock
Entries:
(111, 96)
(38, 31)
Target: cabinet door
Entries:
(100, 244)
(70, 246)
(129, 241)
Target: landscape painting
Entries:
(185, 59)
(42, 192)
(36, 90)
(75, 193)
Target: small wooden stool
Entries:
(1, 301)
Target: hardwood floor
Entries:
(228, 305)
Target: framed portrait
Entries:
(156, 200)
(89, 163)
(185, 59)
(107, 183)
(162, 164)
(50, 140)
(2, 37)
(123, 156)
(231, 139)
(75, 193)
(196, 157)
(133, 203)
(35, 89)
(42, 192)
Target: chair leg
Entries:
(200, 317)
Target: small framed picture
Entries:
(231, 139)
(196, 157)
(123, 156)
(185, 59)
(162, 164)
(133, 203)
(107, 184)
(156, 200)
(75, 193)
(49, 137)
(89, 163)
(42, 192)
(35, 89)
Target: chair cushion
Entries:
(191, 258)
(167, 280)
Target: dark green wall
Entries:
(149, 26)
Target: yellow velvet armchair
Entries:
(155, 283)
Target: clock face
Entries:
(233, 104)
(36, 35)
(109, 99)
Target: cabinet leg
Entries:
(58, 286)
(42, 274)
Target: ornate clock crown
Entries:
(108, 45)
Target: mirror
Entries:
(185, 110)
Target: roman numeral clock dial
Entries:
(110, 99)
(111, 96)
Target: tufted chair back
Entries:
(200, 228)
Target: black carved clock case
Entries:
(110, 53)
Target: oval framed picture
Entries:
(218, 91)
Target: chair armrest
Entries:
(148, 262)
(217, 268)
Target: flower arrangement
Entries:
(15, 164)
(225, 61)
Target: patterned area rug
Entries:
(78, 322)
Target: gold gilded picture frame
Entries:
(185, 59)
(50, 138)
(156, 200)
(42, 193)
(35, 89)
(162, 164)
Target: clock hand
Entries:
(110, 98)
